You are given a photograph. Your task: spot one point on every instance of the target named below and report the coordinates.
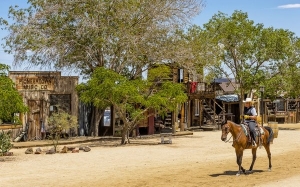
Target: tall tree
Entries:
(133, 99)
(288, 80)
(92, 33)
(124, 36)
(203, 53)
(10, 100)
(250, 53)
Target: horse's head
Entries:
(225, 130)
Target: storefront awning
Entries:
(228, 98)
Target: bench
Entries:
(166, 133)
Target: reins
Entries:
(238, 137)
(226, 141)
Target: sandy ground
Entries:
(201, 159)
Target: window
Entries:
(180, 75)
(62, 101)
(292, 105)
(197, 107)
(280, 105)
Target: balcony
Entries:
(200, 90)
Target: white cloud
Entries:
(289, 6)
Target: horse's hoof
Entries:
(249, 171)
(269, 169)
(238, 174)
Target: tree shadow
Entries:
(7, 158)
(229, 173)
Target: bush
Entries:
(5, 144)
(58, 122)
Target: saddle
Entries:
(258, 130)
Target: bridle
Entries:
(227, 131)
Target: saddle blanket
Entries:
(246, 129)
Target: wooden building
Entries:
(43, 92)
(282, 110)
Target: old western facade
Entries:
(43, 92)
(206, 107)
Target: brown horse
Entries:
(240, 143)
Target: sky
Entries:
(283, 14)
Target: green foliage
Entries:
(121, 35)
(10, 100)
(202, 53)
(134, 97)
(249, 53)
(58, 122)
(109, 88)
(5, 142)
(127, 37)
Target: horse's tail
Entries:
(271, 134)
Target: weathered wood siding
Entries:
(37, 89)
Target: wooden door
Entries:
(34, 129)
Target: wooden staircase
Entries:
(213, 121)
(168, 120)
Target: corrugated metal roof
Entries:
(228, 86)
(228, 98)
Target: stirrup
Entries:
(254, 144)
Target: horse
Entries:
(240, 143)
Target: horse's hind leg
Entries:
(267, 147)
(253, 159)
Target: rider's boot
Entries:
(254, 142)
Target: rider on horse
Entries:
(250, 116)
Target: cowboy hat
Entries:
(248, 100)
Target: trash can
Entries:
(166, 133)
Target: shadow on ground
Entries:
(228, 173)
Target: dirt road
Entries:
(201, 159)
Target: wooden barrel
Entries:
(274, 127)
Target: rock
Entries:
(86, 149)
(51, 151)
(71, 148)
(8, 154)
(81, 148)
(38, 151)
(29, 150)
(64, 150)
(75, 151)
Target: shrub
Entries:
(5, 142)
(58, 122)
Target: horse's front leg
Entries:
(253, 159)
(239, 159)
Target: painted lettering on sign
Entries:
(35, 83)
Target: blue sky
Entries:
(272, 13)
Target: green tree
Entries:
(288, 78)
(89, 34)
(58, 122)
(249, 53)
(133, 100)
(10, 99)
(124, 36)
(5, 142)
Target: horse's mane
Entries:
(228, 121)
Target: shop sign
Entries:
(35, 83)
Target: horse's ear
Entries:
(224, 122)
